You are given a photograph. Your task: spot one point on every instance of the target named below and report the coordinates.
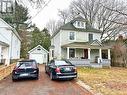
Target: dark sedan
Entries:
(60, 69)
(25, 69)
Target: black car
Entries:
(60, 69)
(25, 69)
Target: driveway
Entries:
(43, 86)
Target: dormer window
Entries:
(82, 24)
(79, 24)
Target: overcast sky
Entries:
(49, 12)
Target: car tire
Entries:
(14, 79)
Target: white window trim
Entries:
(80, 26)
(74, 36)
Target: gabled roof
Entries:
(39, 46)
(11, 28)
(70, 26)
(95, 42)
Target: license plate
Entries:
(67, 69)
(24, 75)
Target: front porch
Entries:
(90, 55)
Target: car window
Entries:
(26, 64)
(62, 63)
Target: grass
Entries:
(111, 81)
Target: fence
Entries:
(5, 71)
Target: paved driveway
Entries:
(43, 86)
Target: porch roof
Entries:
(4, 44)
(86, 45)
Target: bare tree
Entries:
(53, 26)
(64, 14)
(101, 15)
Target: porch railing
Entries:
(80, 62)
(106, 62)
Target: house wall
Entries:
(12, 51)
(80, 36)
(56, 41)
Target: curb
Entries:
(87, 87)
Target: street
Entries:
(43, 86)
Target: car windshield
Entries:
(26, 64)
(62, 63)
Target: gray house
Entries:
(78, 42)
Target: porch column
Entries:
(100, 56)
(0, 52)
(109, 56)
(89, 53)
(100, 53)
(68, 52)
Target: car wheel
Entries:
(51, 76)
(14, 79)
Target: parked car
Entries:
(25, 69)
(60, 69)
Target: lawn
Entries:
(112, 81)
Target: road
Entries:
(43, 86)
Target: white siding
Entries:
(57, 44)
(80, 36)
(11, 49)
(41, 55)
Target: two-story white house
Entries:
(80, 43)
(10, 43)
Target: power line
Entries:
(41, 9)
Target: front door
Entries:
(85, 53)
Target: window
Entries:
(104, 54)
(38, 49)
(90, 37)
(72, 36)
(71, 53)
(6, 6)
(78, 24)
(82, 24)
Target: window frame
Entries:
(69, 36)
(74, 52)
(90, 40)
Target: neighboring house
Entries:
(10, 43)
(79, 43)
(39, 54)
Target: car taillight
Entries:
(57, 70)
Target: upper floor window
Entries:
(80, 24)
(90, 37)
(72, 36)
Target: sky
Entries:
(49, 12)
